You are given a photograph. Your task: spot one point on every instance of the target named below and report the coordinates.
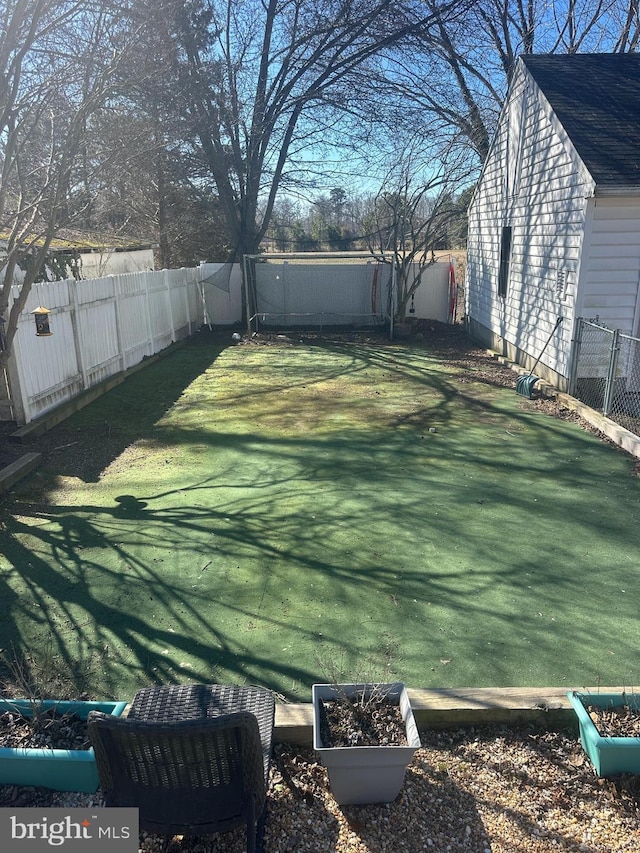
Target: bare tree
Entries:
(57, 63)
(410, 216)
(260, 78)
(457, 71)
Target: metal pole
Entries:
(611, 377)
(245, 271)
(574, 357)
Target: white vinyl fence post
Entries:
(147, 313)
(393, 299)
(77, 332)
(117, 295)
(168, 297)
(185, 299)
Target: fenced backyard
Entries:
(273, 512)
(102, 327)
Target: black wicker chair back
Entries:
(187, 777)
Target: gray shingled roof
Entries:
(596, 97)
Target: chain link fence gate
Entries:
(606, 372)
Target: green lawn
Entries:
(278, 514)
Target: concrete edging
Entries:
(624, 438)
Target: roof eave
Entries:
(613, 189)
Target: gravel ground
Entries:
(484, 790)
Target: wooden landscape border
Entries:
(455, 706)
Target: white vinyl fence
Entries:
(299, 291)
(104, 326)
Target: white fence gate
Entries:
(102, 327)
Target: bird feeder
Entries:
(41, 316)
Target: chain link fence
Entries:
(606, 372)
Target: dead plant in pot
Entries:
(365, 735)
(609, 729)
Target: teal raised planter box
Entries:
(609, 755)
(58, 769)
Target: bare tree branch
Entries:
(46, 96)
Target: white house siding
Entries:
(610, 272)
(543, 198)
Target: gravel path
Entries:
(484, 790)
(498, 790)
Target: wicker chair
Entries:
(203, 774)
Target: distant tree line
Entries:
(337, 222)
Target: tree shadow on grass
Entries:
(327, 513)
(84, 444)
(138, 586)
(84, 631)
